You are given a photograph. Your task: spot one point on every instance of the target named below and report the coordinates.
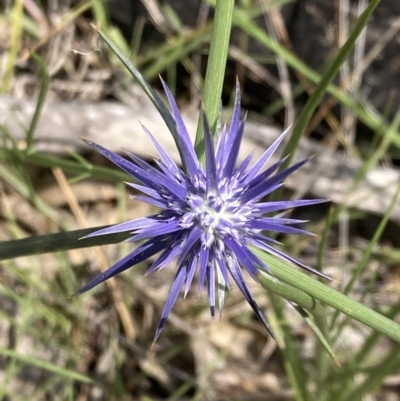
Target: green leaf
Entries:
(63, 241)
(367, 253)
(150, 92)
(44, 85)
(318, 332)
(290, 275)
(216, 65)
(333, 68)
(304, 304)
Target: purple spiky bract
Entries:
(210, 216)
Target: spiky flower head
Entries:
(209, 217)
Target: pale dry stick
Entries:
(376, 49)
(281, 34)
(57, 49)
(256, 70)
(82, 88)
(359, 49)
(157, 16)
(275, 25)
(342, 33)
(122, 309)
(347, 124)
(64, 22)
(350, 83)
(349, 120)
(324, 110)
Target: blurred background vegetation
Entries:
(59, 82)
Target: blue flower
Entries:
(210, 217)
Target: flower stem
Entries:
(215, 69)
(289, 275)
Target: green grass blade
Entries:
(150, 92)
(378, 152)
(318, 332)
(304, 304)
(63, 241)
(280, 269)
(40, 102)
(175, 51)
(215, 72)
(44, 160)
(373, 381)
(367, 253)
(290, 353)
(290, 275)
(370, 342)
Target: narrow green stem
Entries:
(215, 69)
(293, 365)
(301, 300)
(292, 294)
(44, 85)
(373, 381)
(322, 362)
(291, 355)
(329, 296)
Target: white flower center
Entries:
(219, 216)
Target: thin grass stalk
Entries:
(174, 51)
(44, 85)
(344, 377)
(290, 275)
(14, 45)
(290, 353)
(373, 381)
(366, 254)
(62, 241)
(74, 167)
(215, 72)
